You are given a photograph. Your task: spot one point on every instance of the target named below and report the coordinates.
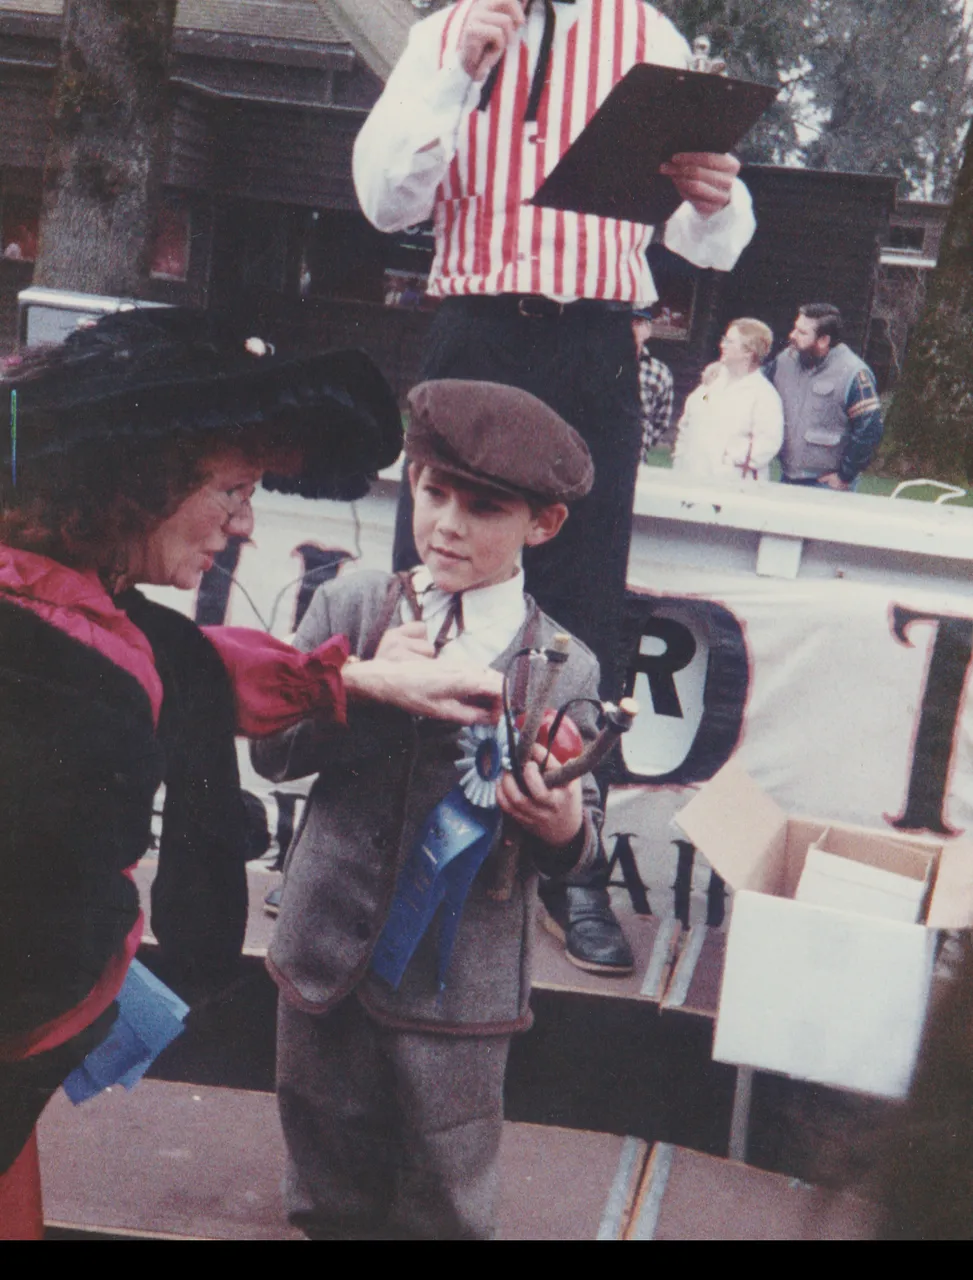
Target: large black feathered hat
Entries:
(148, 373)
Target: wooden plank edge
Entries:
(685, 969)
(661, 960)
(623, 1190)
(648, 1204)
(101, 1231)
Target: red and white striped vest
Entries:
(488, 240)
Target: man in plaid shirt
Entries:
(655, 385)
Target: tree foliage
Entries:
(108, 134)
(930, 425)
(876, 87)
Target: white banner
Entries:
(844, 700)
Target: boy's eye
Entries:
(490, 505)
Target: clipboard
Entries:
(653, 113)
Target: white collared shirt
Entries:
(492, 616)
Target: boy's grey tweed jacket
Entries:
(377, 782)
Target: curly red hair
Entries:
(84, 506)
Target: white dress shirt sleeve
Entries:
(717, 240)
(405, 146)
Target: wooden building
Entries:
(908, 258)
(259, 213)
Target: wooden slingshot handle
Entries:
(618, 720)
(539, 694)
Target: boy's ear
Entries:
(546, 524)
(415, 471)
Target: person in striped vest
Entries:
(485, 100)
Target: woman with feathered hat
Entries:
(132, 454)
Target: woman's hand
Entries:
(553, 815)
(462, 692)
(405, 643)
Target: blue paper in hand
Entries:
(150, 1017)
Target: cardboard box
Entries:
(872, 875)
(823, 993)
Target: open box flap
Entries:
(952, 898)
(737, 826)
(901, 857)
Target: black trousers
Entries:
(581, 360)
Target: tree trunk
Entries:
(108, 138)
(930, 425)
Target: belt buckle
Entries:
(537, 307)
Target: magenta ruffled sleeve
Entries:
(276, 685)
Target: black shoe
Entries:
(272, 901)
(585, 923)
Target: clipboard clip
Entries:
(701, 60)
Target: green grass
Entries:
(878, 486)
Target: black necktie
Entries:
(540, 71)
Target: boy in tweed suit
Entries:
(390, 1084)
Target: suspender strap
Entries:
(399, 586)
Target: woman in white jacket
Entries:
(733, 423)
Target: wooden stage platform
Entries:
(184, 1162)
(617, 1119)
(191, 1162)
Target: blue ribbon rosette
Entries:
(442, 865)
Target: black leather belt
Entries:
(535, 306)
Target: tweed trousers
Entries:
(391, 1135)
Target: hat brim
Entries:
(429, 458)
(335, 407)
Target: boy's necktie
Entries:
(454, 613)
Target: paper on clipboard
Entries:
(652, 114)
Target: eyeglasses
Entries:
(235, 501)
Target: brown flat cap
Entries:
(498, 436)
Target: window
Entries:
(19, 228)
(675, 281)
(173, 239)
(902, 237)
(345, 257)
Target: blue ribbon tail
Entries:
(459, 877)
(441, 867)
(150, 1017)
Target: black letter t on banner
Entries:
(938, 715)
